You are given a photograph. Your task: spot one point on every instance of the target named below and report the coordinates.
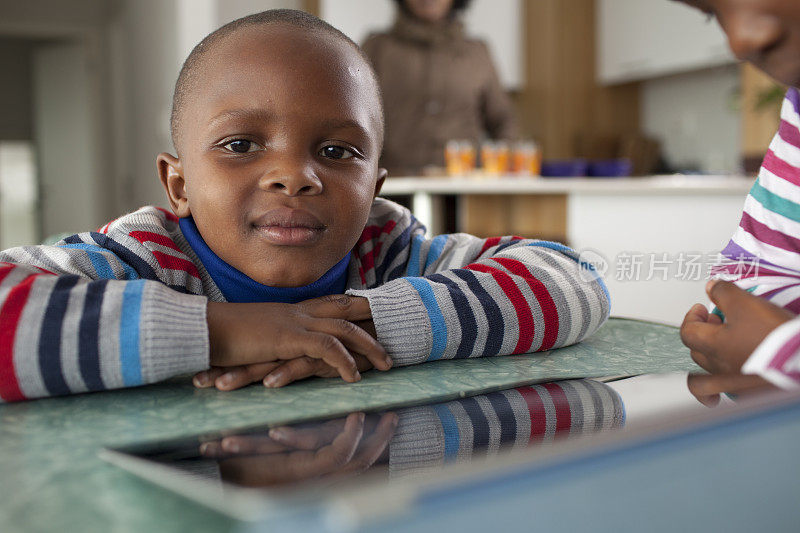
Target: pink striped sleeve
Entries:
(777, 358)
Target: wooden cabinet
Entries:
(640, 39)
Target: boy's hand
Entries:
(334, 450)
(707, 387)
(258, 337)
(722, 348)
(277, 374)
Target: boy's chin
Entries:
(286, 278)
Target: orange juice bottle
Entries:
(452, 158)
(467, 153)
(527, 159)
(503, 156)
(489, 158)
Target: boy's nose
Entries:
(292, 179)
(751, 34)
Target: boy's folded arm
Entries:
(63, 333)
(459, 296)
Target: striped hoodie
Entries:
(126, 305)
(763, 257)
(430, 436)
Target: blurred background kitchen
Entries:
(643, 122)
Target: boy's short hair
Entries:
(290, 17)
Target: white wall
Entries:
(695, 118)
(65, 139)
(658, 223)
(150, 57)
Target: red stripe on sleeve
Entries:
(488, 243)
(563, 412)
(176, 263)
(521, 307)
(368, 259)
(372, 232)
(548, 306)
(148, 236)
(789, 133)
(536, 411)
(9, 320)
(172, 217)
(781, 168)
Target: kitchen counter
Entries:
(647, 228)
(675, 184)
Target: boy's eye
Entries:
(241, 146)
(336, 152)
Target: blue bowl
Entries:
(565, 168)
(611, 168)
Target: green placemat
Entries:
(48, 448)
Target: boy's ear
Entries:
(170, 171)
(382, 173)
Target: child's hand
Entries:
(273, 375)
(337, 448)
(258, 337)
(707, 387)
(277, 374)
(722, 348)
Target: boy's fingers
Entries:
(306, 367)
(344, 446)
(356, 340)
(702, 361)
(697, 313)
(373, 446)
(342, 306)
(304, 463)
(714, 384)
(330, 349)
(241, 376)
(251, 444)
(292, 370)
(210, 449)
(697, 334)
(206, 378)
(726, 295)
(305, 438)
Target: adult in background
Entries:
(437, 85)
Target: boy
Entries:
(760, 336)
(277, 124)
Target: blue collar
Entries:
(238, 287)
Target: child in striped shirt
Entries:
(759, 340)
(277, 261)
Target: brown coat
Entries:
(437, 85)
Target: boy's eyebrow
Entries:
(266, 116)
(340, 124)
(248, 114)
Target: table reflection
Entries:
(413, 440)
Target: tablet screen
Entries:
(416, 441)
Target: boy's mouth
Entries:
(289, 227)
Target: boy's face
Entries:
(279, 150)
(763, 32)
